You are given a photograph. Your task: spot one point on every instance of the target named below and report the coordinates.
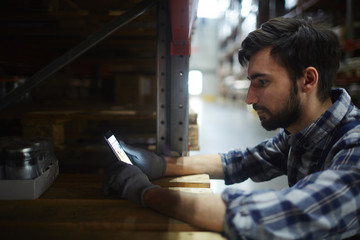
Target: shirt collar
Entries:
(325, 124)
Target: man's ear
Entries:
(310, 79)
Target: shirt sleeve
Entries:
(323, 205)
(263, 162)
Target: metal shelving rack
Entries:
(174, 25)
(174, 32)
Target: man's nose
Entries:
(251, 97)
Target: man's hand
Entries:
(151, 164)
(128, 182)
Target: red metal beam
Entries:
(183, 14)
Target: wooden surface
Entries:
(78, 234)
(88, 186)
(192, 181)
(74, 207)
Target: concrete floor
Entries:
(226, 125)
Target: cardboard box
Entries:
(28, 189)
(194, 137)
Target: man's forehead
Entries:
(263, 64)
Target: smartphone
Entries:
(116, 147)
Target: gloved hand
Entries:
(127, 182)
(152, 165)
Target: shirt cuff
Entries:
(231, 163)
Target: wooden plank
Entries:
(69, 214)
(191, 181)
(193, 190)
(90, 215)
(74, 191)
(76, 234)
(105, 114)
(76, 186)
(75, 208)
(89, 186)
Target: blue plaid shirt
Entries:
(322, 202)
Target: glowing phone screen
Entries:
(117, 149)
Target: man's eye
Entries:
(262, 82)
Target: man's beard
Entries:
(286, 116)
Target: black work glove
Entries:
(127, 182)
(152, 165)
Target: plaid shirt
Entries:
(320, 203)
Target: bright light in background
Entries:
(249, 23)
(241, 84)
(195, 82)
(245, 7)
(212, 8)
(290, 4)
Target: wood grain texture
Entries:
(74, 207)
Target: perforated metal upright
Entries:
(173, 66)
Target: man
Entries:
(291, 65)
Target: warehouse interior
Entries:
(225, 83)
(117, 83)
(113, 84)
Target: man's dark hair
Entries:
(297, 44)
